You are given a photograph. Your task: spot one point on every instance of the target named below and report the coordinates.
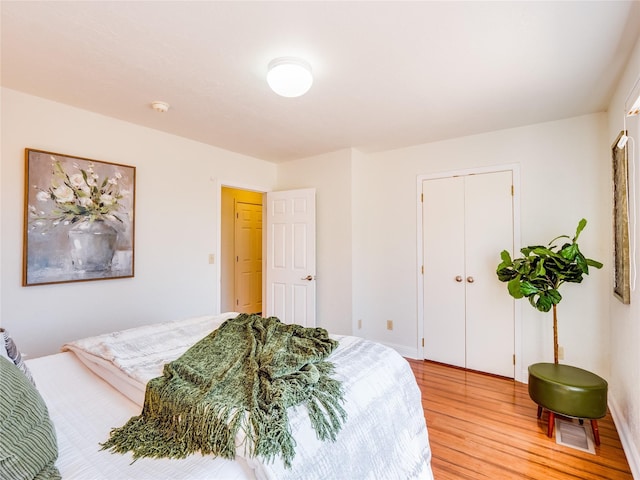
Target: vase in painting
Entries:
(92, 245)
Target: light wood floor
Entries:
(485, 427)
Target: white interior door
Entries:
(290, 269)
(490, 309)
(444, 304)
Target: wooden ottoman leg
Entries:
(596, 432)
(539, 411)
(552, 421)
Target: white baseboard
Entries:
(630, 449)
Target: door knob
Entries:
(307, 278)
(458, 278)
(470, 279)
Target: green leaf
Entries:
(506, 274)
(514, 288)
(540, 270)
(569, 251)
(582, 263)
(554, 296)
(581, 224)
(506, 258)
(527, 288)
(542, 251)
(544, 303)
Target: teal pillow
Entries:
(28, 446)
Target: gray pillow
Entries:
(14, 354)
(27, 435)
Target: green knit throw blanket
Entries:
(244, 375)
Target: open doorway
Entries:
(241, 251)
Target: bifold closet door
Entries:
(444, 251)
(468, 315)
(490, 309)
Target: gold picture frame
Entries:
(78, 219)
(621, 288)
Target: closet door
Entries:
(444, 288)
(468, 317)
(489, 308)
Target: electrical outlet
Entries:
(389, 324)
(359, 324)
(560, 353)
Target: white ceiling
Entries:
(387, 74)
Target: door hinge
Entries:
(422, 269)
(423, 342)
(512, 191)
(514, 359)
(422, 197)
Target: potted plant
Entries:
(540, 272)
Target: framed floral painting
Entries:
(79, 219)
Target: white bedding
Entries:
(128, 359)
(84, 409)
(384, 438)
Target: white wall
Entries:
(624, 381)
(564, 169)
(367, 230)
(330, 175)
(177, 216)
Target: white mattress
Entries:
(85, 408)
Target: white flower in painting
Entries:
(92, 179)
(64, 194)
(43, 196)
(77, 180)
(107, 199)
(80, 196)
(85, 202)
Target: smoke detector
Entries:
(158, 106)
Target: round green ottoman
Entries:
(569, 391)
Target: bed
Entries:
(98, 383)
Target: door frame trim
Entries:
(219, 183)
(519, 369)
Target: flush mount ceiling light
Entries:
(161, 107)
(289, 76)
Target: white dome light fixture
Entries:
(289, 76)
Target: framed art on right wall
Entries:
(620, 220)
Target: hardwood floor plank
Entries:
(486, 427)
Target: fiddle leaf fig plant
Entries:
(540, 272)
